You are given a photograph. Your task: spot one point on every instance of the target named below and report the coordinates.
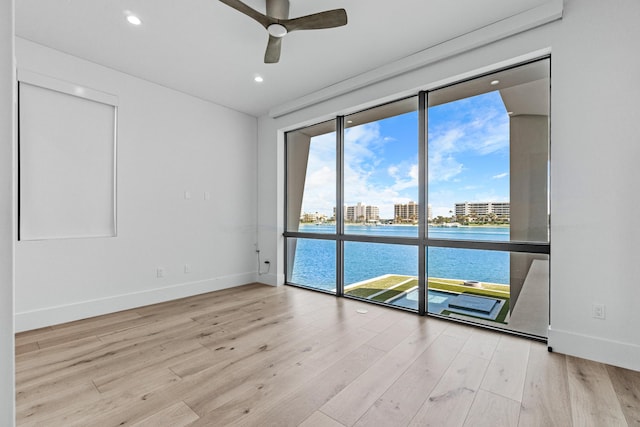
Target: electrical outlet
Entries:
(187, 268)
(207, 195)
(187, 195)
(598, 311)
(160, 272)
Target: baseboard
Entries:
(268, 279)
(49, 316)
(598, 349)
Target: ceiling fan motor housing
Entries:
(277, 30)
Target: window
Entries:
(311, 200)
(488, 163)
(437, 203)
(381, 170)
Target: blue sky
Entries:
(468, 159)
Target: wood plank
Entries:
(36, 364)
(450, 401)
(481, 343)
(545, 399)
(26, 348)
(249, 386)
(295, 406)
(101, 357)
(626, 384)
(507, 371)
(404, 398)
(94, 326)
(395, 333)
(52, 399)
(156, 358)
(489, 410)
(318, 419)
(593, 399)
(29, 360)
(140, 382)
(352, 402)
(176, 415)
(458, 330)
(28, 337)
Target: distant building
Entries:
(405, 212)
(313, 217)
(500, 209)
(361, 213)
(372, 213)
(429, 212)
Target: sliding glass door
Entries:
(436, 203)
(488, 168)
(380, 173)
(311, 257)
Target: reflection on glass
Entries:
(496, 288)
(380, 272)
(312, 263)
(311, 179)
(381, 170)
(488, 154)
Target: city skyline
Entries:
(410, 210)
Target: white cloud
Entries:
(409, 180)
(362, 145)
(483, 134)
(369, 182)
(442, 164)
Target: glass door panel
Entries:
(383, 273)
(381, 170)
(507, 290)
(488, 155)
(487, 192)
(312, 263)
(311, 179)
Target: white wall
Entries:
(7, 391)
(594, 150)
(168, 143)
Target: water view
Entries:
(314, 260)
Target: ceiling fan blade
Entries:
(264, 20)
(272, 55)
(328, 19)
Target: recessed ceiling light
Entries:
(510, 113)
(258, 79)
(134, 20)
(349, 121)
(494, 82)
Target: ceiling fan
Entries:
(278, 24)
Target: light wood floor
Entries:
(264, 356)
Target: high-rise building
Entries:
(372, 213)
(500, 209)
(405, 212)
(361, 213)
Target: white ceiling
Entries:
(209, 50)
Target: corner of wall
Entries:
(593, 348)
